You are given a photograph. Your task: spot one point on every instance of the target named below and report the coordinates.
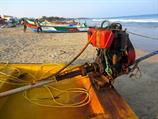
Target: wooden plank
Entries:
(113, 103)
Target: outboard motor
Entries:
(115, 52)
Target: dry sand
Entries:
(19, 47)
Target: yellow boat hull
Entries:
(107, 104)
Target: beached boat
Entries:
(60, 22)
(47, 23)
(52, 27)
(75, 98)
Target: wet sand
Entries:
(19, 47)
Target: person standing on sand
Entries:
(38, 25)
(23, 22)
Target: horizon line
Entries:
(84, 17)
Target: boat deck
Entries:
(104, 104)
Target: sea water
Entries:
(140, 24)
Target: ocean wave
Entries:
(135, 20)
(129, 20)
(98, 20)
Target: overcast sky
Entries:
(78, 8)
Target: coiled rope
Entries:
(43, 101)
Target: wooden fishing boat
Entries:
(47, 23)
(75, 98)
(54, 27)
(60, 22)
(57, 28)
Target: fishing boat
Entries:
(47, 23)
(60, 22)
(75, 98)
(59, 28)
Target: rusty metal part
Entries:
(83, 71)
(114, 59)
(102, 82)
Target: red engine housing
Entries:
(102, 38)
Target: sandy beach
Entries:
(19, 47)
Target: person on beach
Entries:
(23, 22)
(38, 25)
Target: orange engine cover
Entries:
(100, 38)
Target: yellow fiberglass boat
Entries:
(75, 98)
